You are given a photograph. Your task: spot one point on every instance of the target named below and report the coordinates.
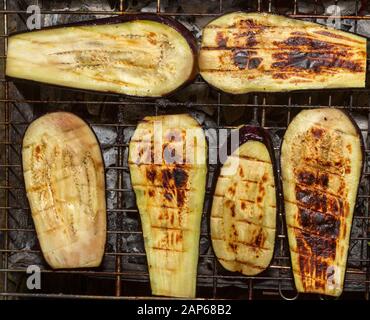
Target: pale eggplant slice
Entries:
(65, 185)
(243, 216)
(321, 164)
(141, 55)
(251, 52)
(167, 160)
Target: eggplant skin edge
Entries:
(249, 133)
(299, 277)
(83, 239)
(289, 67)
(168, 21)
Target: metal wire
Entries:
(217, 282)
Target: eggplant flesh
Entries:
(321, 164)
(65, 185)
(169, 185)
(243, 216)
(148, 58)
(251, 52)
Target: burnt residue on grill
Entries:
(259, 239)
(174, 180)
(311, 179)
(317, 200)
(151, 174)
(315, 254)
(312, 55)
(336, 36)
(254, 63)
(221, 40)
(318, 223)
(300, 41)
(242, 59)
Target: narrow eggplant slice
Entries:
(244, 52)
(145, 55)
(321, 164)
(64, 177)
(243, 216)
(170, 186)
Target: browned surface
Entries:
(259, 52)
(320, 174)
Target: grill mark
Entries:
(249, 181)
(221, 39)
(317, 230)
(333, 56)
(170, 165)
(319, 201)
(311, 244)
(235, 242)
(243, 262)
(151, 175)
(169, 228)
(300, 206)
(320, 191)
(310, 64)
(336, 36)
(298, 41)
(159, 186)
(244, 200)
(307, 178)
(322, 169)
(167, 249)
(162, 269)
(251, 158)
(246, 221)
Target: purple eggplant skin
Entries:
(250, 133)
(169, 21)
(299, 282)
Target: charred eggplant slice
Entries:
(64, 178)
(243, 216)
(245, 52)
(321, 164)
(145, 55)
(167, 160)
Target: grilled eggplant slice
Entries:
(141, 55)
(244, 52)
(167, 159)
(243, 216)
(64, 177)
(321, 164)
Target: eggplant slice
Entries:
(321, 164)
(169, 185)
(246, 52)
(243, 216)
(64, 178)
(145, 55)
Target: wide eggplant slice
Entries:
(243, 216)
(167, 160)
(141, 55)
(64, 178)
(244, 52)
(321, 164)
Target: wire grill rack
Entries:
(118, 281)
